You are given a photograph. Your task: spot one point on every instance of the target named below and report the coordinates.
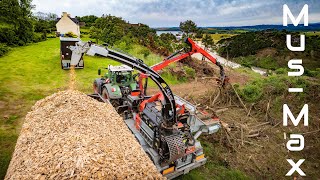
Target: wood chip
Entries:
(69, 135)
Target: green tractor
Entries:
(116, 84)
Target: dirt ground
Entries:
(250, 140)
(195, 87)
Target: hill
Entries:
(267, 49)
(290, 27)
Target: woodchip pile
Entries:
(68, 135)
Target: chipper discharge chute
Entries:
(66, 53)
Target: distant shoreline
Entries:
(290, 27)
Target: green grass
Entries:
(217, 37)
(263, 62)
(312, 33)
(33, 72)
(215, 168)
(27, 74)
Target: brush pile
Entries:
(68, 135)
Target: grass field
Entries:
(312, 33)
(217, 37)
(32, 72)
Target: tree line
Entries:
(114, 30)
(267, 49)
(19, 26)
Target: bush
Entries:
(191, 73)
(8, 36)
(84, 32)
(21, 43)
(123, 46)
(38, 37)
(246, 61)
(275, 85)
(311, 73)
(3, 49)
(251, 92)
(71, 34)
(51, 36)
(145, 52)
(267, 63)
(281, 71)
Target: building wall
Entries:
(66, 25)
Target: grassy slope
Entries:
(32, 72)
(215, 168)
(217, 37)
(268, 50)
(312, 33)
(26, 75)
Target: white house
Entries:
(67, 24)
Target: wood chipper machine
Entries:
(66, 53)
(166, 126)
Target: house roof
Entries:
(75, 20)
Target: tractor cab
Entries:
(116, 83)
(120, 75)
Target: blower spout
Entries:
(77, 51)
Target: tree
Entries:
(16, 14)
(166, 40)
(45, 16)
(89, 20)
(167, 37)
(41, 25)
(112, 29)
(188, 27)
(199, 33)
(95, 33)
(142, 32)
(208, 42)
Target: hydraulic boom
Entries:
(193, 48)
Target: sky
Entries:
(169, 13)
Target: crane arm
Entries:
(193, 48)
(197, 49)
(168, 106)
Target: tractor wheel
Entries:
(105, 94)
(95, 87)
(114, 102)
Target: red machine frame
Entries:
(194, 48)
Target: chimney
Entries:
(64, 14)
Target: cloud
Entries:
(161, 13)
